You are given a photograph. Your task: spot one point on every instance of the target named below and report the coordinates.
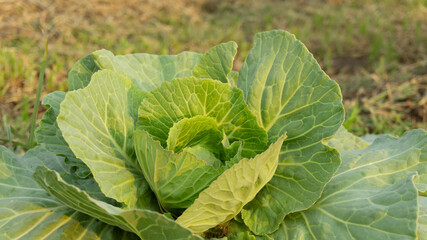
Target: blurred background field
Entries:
(375, 50)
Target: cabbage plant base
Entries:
(181, 146)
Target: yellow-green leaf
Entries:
(97, 124)
(227, 195)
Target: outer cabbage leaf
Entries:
(217, 63)
(53, 100)
(242, 236)
(81, 73)
(39, 156)
(176, 179)
(97, 125)
(227, 195)
(29, 212)
(233, 77)
(237, 230)
(50, 136)
(148, 71)
(190, 97)
(145, 223)
(345, 141)
(370, 138)
(422, 215)
(373, 194)
(288, 92)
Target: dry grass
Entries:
(376, 50)
(53, 19)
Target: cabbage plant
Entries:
(147, 146)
